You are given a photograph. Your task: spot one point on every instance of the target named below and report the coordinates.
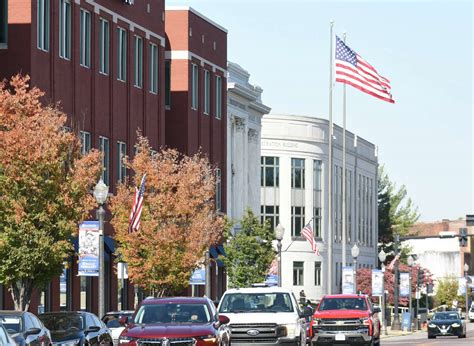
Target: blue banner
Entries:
(198, 277)
(271, 280)
(88, 249)
(377, 282)
(404, 284)
(406, 320)
(347, 280)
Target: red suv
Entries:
(346, 318)
(185, 321)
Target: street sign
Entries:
(198, 277)
(470, 220)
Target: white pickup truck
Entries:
(263, 316)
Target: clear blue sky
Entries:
(425, 48)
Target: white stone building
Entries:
(244, 115)
(294, 188)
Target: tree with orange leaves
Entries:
(178, 221)
(45, 188)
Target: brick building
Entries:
(104, 62)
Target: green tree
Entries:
(396, 211)
(249, 252)
(45, 188)
(447, 292)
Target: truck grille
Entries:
(166, 342)
(341, 325)
(267, 332)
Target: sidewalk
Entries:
(392, 333)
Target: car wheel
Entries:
(431, 337)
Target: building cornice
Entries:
(188, 55)
(199, 14)
(260, 107)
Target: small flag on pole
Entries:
(134, 222)
(307, 232)
(353, 70)
(390, 266)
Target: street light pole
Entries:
(410, 278)
(466, 269)
(382, 257)
(279, 233)
(355, 254)
(396, 319)
(101, 192)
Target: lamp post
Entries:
(382, 258)
(101, 191)
(279, 232)
(410, 264)
(355, 253)
(466, 269)
(396, 318)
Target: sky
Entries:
(425, 48)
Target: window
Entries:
(104, 44)
(270, 213)
(207, 91)
(297, 220)
(138, 66)
(218, 190)
(121, 169)
(64, 289)
(121, 54)
(168, 83)
(194, 87)
(317, 198)
(85, 39)
(84, 292)
(42, 24)
(85, 142)
(65, 29)
(297, 173)
(153, 68)
(218, 97)
(298, 273)
(104, 148)
(317, 273)
(270, 171)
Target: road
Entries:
(421, 338)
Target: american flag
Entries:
(353, 70)
(390, 266)
(307, 232)
(134, 222)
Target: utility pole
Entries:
(396, 318)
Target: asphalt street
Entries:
(421, 338)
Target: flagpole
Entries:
(330, 235)
(344, 235)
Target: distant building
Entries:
(244, 115)
(294, 189)
(442, 256)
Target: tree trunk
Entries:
(21, 293)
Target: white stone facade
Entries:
(244, 114)
(298, 142)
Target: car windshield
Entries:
(256, 302)
(113, 320)
(172, 313)
(61, 323)
(11, 323)
(446, 316)
(343, 304)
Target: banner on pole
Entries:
(404, 284)
(198, 277)
(461, 286)
(377, 282)
(88, 249)
(347, 280)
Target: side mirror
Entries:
(377, 309)
(223, 319)
(92, 329)
(123, 320)
(32, 331)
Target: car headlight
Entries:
(290, 330)
(455, 325)
(316, 322)
(431, 325)
(365, 321)
(71, 342)
(125, 339)
(211, 338)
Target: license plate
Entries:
(340, 337)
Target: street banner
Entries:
(198, 277)
(271, 280)
(89, 249)
(404, 284)
(406, 321)
(461, 286)
(377, 282)
(347, 280)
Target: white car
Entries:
(471, 314)
(264, 315)
(112, 321)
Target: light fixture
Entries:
(382, 256)
(355, 251)
(101, 192)
(279, 232)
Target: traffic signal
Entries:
(421, 277)
(429, 288)
(463, 237)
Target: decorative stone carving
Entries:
(239, 123)
(253, 135)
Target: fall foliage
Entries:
(44, 189)
(178, 221)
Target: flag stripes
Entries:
(307, 232)
(135, 215)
